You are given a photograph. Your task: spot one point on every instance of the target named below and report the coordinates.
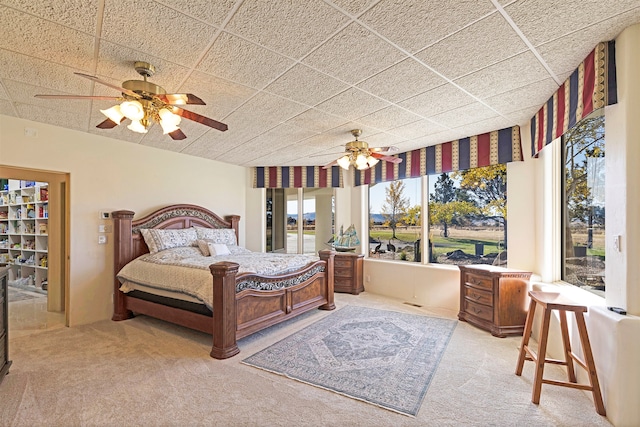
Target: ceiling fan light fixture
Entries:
(361, 162)
(114, 114)
(372, 161)
(344, 162)
(132, 110)
(137, 126)
(168, 120)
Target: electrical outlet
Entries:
(617, 243)
(368, 278)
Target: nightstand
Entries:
(348, 272)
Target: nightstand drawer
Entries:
(343, 272)
(476, 295)
(479, 282)
(342, 282)
(342, 262)
(479, 310)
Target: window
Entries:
(468, 217)
(583, 252)
(285, 233)
(395, 220)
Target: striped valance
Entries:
(296, 177)
(591, 86)
(492, 148)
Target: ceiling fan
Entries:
(145, 103)
(358, 154)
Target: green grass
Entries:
(385, 235)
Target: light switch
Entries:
(102, 240)
(101, 228)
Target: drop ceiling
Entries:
(291, 78)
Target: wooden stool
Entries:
(554, 301)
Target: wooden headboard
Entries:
(128, 241)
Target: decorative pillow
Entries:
(203, 245)
(226, 236)
(160, 239)
(218, 249)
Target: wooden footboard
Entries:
(235, 314)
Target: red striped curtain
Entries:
(492, 148)
(591, 86)
(296, 177)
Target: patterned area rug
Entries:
(382, 357)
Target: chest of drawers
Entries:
(348, 273)
(494, 298)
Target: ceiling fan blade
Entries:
(328, 165)
(200, 119)
(387, 158)
(180, 99)
(177, 135)
(390, 149)
(102, 82)
(107, 124)
(108, 98)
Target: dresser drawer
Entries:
(342, 282)
(479, 281)
(479, 310)
(343, 272)
(342, 262)
(477, 295)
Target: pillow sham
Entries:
(160, 239)
(203, 245)
(216, 249)
(226, 236)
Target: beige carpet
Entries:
(146, 372)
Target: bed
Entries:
(241, 303)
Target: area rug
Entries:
(382, 357)
(17, 294)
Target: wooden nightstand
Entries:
(348, 273)
(494, 298)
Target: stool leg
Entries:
(525, 336)
(542, 356)
(571, 373)
(591, 366)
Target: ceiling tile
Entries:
(563, 55)
(77, 14)
(352, 103)
(155, 138)
(221, 96)
(512, 73)
(353, 54)
(289, 27)
(306, 85)
(438, 100)
(388, 118)
(209, 145)
(42, 39)
(545, 20)
(404, 22)
(484, 126)
(402, 80)
(417, 129)
(487, 41)
(240, 61)
(56, 117)
(3, 93)
(212, 12)
(165, 36)
(25, 94)
(534, 94)
(464, 115)
(522, 117)
(6, 108)
(354, 7)
(316, 120)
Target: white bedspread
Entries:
(185, 270)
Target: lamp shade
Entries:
(361, 162)
(168, 121)
(136, 126)
(344, 162)
(132, 110)
(114, 114)
(372, 161)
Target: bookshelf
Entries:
(24, 215)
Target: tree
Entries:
(445, 213)
(395, 205)
(584, 143)
(444, 192)
(413, 216)
(486, 187)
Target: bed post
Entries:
(234, 220)
(224, 309)
(328, 256)
(123, 252)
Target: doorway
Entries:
(58, 240)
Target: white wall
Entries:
(106, 175)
